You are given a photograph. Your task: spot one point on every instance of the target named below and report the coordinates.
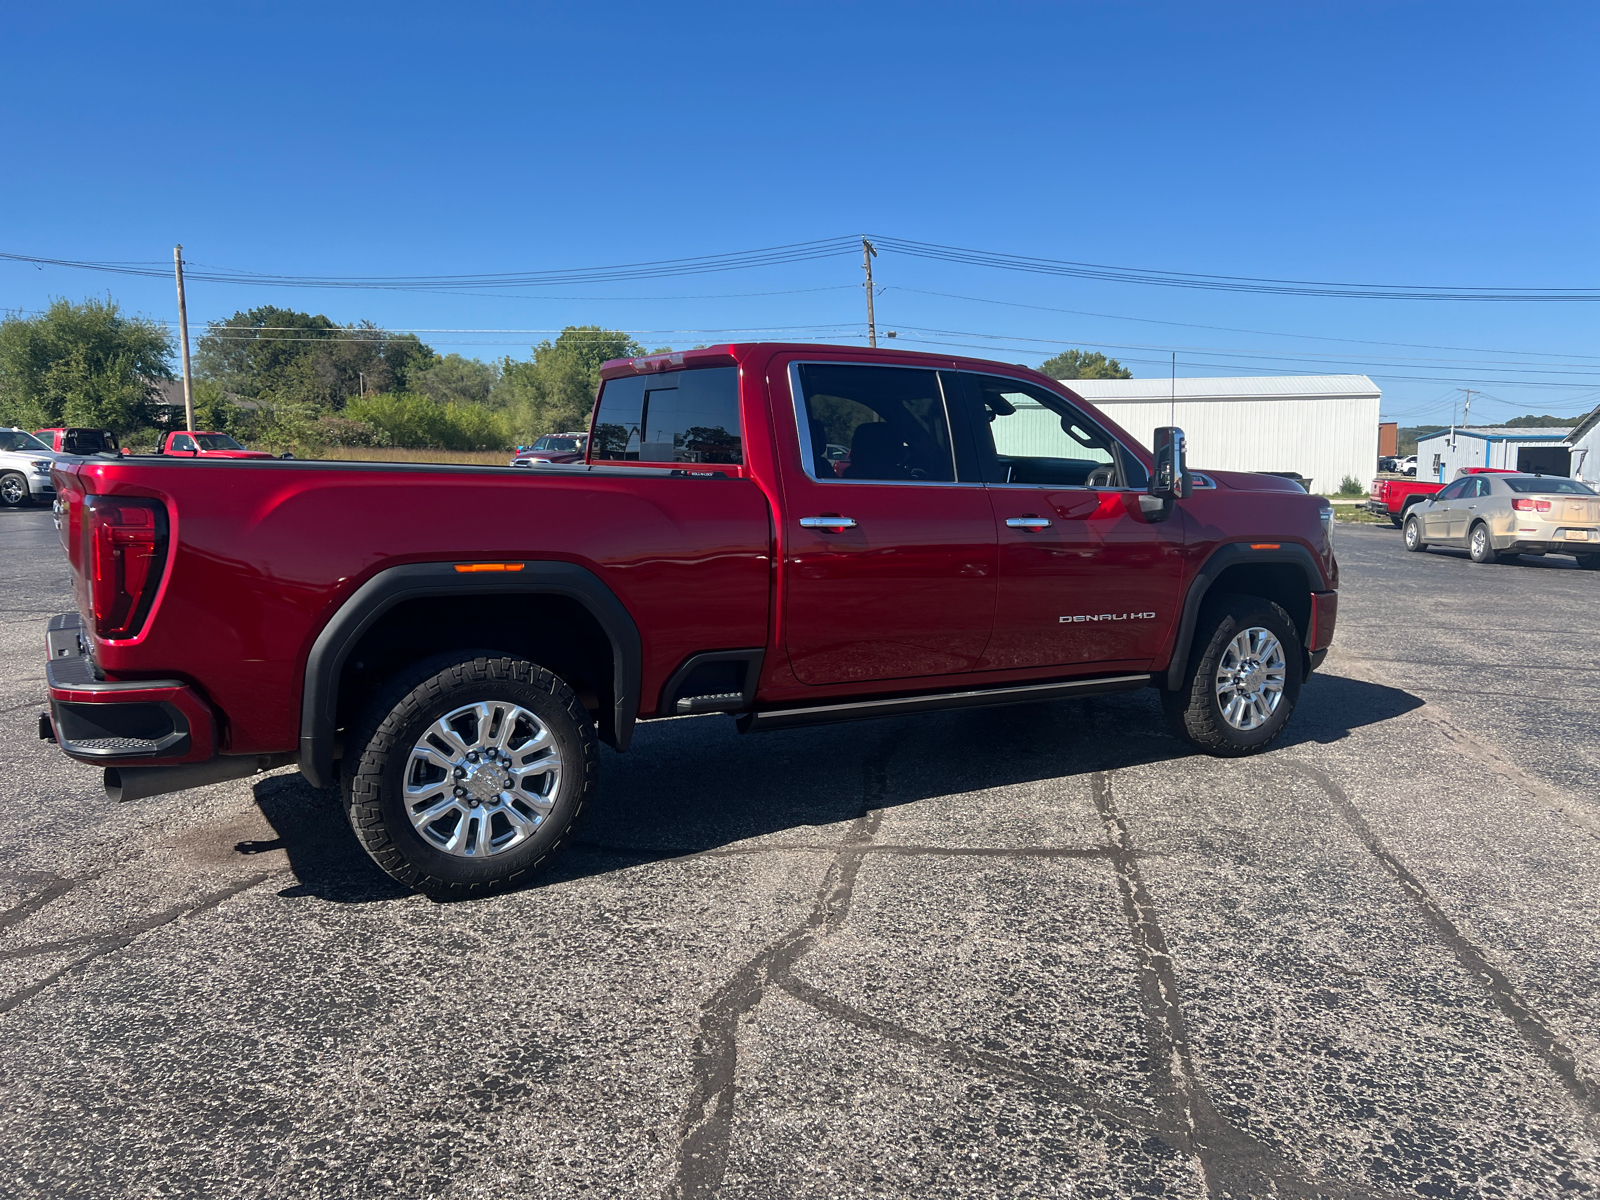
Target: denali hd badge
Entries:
(1110, 617)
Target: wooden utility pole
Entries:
(183, 338)
(867, 255)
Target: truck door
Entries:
(889, 556)
(1085, 575)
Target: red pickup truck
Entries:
(448, 644)
(206, 444)
(1393, 498)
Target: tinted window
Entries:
(1546, 485)
(216, 441)
(1032, 435)
(883, 423)
(679, 416)
(182, 443)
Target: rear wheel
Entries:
(1413, 535)
(469, 774)
(13, 489)
(1589, 562)
(1395, 520)
(1243, 678)
(1480, 546)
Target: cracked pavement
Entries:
(1033, 951)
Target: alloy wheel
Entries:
(1250, 678)
(482, 779)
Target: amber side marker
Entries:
(1253, 546)
(469, 568)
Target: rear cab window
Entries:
(883, 424)
(673, 417)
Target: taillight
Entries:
(126, 543)
(1531, 505)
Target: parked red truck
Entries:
(450, 643)
(1393, 498)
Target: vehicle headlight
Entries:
(1327, 524)
(41, 468)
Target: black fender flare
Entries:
(320, 699)
(1230, 554)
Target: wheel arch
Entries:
(1286, 574)
(555, 591)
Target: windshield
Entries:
(216, 441)
(15, 439)
(1546, 485)
(561, 445)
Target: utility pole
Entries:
(183, 338)
(867, 255)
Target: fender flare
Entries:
(1230, 554)
(320, 698)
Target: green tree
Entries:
(1546, 422)
(454, 380)
(81, 364)
(1084, 364)
(554, 392)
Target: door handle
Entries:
(828, 524)
(1028, 522)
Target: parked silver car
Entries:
(25, 464)
(1498, 516)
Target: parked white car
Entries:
(25, 464)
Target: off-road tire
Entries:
(1413, 535)
(14, 490)
(379, 748)
(1485, 554)
(1193, 712)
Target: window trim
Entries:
(802, 424)
(972, 410)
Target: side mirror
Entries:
(1171, 479)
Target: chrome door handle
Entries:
(1027, 522)
(829, 524)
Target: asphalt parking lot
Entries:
(1039, 951)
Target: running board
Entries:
(824, 714)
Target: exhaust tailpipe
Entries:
(137, 783)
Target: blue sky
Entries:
(1410, 143)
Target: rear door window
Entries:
(673, 417)
(888, 424)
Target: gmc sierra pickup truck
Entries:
(449, 645)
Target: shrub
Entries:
(408, 421)
(1351, 486)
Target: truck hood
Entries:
(1245, 481)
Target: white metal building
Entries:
(1440, 455)
(1322, 427)
(1584, 445)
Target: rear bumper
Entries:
(120, 722)
(1548, 539)
(1378, 508)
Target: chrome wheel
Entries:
(12, 490)
(1250, 678)
(482, 779)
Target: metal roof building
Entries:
(1584, 445)
(1440, 455)
(1322, 427)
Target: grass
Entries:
(487, 458)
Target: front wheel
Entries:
(469, 773)
(1413, 535)
(1243, 678)
(13, 490)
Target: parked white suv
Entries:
(25, 464)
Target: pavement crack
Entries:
(110, 943)
(706, 1132)
(1535, 1030)
(1233, 1162)
(55, 887)
(668, 853)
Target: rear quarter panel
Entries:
(265, 552)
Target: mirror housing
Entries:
(1171, 479)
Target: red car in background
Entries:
(73, 440)
(206, 444)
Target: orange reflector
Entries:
(469, 568)
(1253, 546)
